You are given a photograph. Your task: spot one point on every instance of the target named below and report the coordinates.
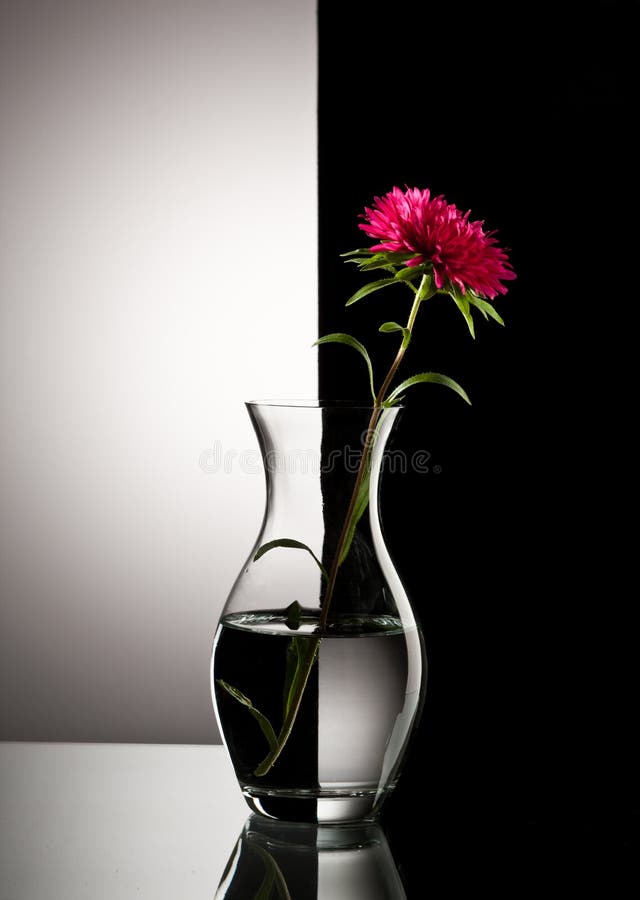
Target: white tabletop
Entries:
(115, 821)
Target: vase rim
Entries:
(315, 404)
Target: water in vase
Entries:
(355, 716)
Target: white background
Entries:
(157, 268)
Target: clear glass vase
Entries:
(318, 667)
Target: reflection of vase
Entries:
(310, 862)
(337, 699)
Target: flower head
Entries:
(433, 231)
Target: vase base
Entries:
(327, 808)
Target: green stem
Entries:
(288, 724)
(382, 393)
(368, 444)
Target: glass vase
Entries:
(318, 668)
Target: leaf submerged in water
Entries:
(261, 719)
(294, 614)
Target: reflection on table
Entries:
(290, 861)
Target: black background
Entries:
(517, 551)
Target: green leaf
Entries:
(295, 545)
(263, 722)
(370, 261)
(462, 303)
(463, 306)
(362, 251)
(389, 327)
(370, 267)
(377, 261)
(486, 308)
(484, 314)
(294, 614)
(425, 289)
(432, 377)
(369, 289)
(409, 272)
(340, 338)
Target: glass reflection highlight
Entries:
(294, 861)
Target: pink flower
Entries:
(461, 252)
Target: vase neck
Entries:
(311, 456)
